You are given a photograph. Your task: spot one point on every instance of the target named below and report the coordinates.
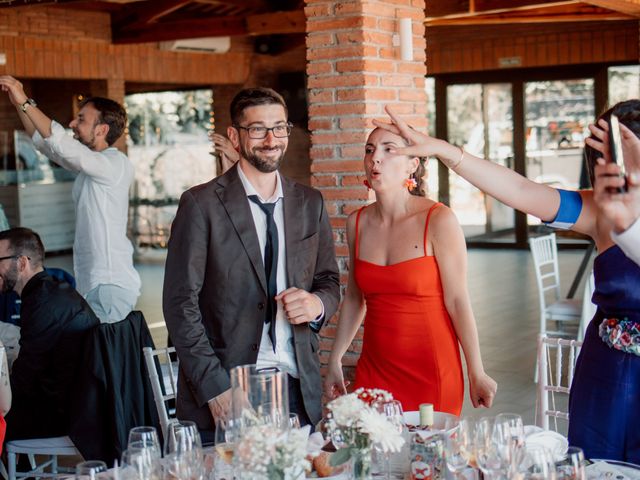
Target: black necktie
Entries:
(270, 266)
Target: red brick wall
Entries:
(353, 72)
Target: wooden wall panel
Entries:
(449, 48)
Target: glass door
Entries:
(557, 114)
(480, 119)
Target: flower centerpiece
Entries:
(356, 425)
(267, 453)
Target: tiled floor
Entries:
(505, 301)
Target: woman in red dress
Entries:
(5, 393)
(407, 272)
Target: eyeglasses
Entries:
(10, 257)
(258, 133)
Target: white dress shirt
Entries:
(629, 241)
(284, 357)
(102, 253)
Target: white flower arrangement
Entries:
(265, 452)
(355, 423)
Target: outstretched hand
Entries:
(420, 144)
(14, 88)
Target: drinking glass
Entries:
(508, 432)
(536, 463)
(294, 420)
(572, 466)
(183, 438)
(392, 410)
(458, 444)
(259, 396)
(148, 436)
(90, 469)
(140, 462)
(489, 456)
(225, 443)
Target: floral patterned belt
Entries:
(621, 333)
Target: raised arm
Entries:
(351, 316)
(451, 254)
(32, 117)
(500, 182)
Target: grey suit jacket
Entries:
(215, 288)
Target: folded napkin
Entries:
(600, 470)
(552, 441)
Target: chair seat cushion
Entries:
(566, 307)
(43, 446)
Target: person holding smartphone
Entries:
(621, 208)
(605, 393)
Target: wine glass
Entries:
(489, 456)
(572, 466)
(225, 439)
(182, 437)
(140, 461)
(536, 463)
(294, 420)
(508, 432)
(392, 410)
(90, 469)
(148, 436)
(458, 444)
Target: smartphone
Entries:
(615, 151)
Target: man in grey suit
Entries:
(251, 272)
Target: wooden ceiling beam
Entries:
(180, 29)
(147, 13)
(630, 7)
(572, 11)
(262, 24)
(277, 23)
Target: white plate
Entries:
(439, 418)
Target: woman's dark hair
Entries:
(628, 113)
(418, 176)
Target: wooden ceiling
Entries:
(137, 21)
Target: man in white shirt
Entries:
(102, 253)
(251, 271)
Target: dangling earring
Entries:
(366, 184)
(411, 184)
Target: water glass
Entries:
(508, 432)
(489, 456)
(145, 436)
(458, 444)
(182, 438)
(259, 396)
(536, 463)
(294, 420)
(572, 466)
(140, 462)
(392, 410)
(90, 469)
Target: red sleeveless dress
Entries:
(409, 347)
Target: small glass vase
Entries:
(361, 463)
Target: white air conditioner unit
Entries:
(198, 45)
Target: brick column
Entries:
(354, 70)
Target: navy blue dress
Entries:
(604, 405)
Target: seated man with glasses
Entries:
(55, 321)
(251, 272)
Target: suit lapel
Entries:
(234, 198)
(293, 202)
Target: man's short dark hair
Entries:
(111, 113)
(251, 97)
(24, 241)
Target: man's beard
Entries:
(264, 165)
(87, 143)
(9, 279)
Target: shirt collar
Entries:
(250, 190)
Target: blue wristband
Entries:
(569, 210)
